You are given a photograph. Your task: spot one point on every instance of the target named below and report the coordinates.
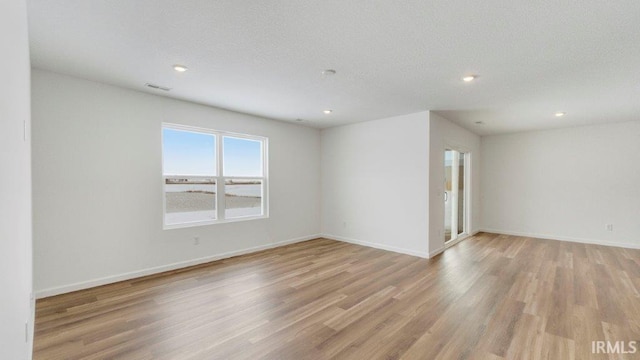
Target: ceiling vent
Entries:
(157, 87)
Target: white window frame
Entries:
(219, 176)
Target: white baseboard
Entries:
(377, 246)
(563, 238)
(159, 269)
(178, 265)
(437, 252)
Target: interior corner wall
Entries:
(445, 134)
(565, 184)
(375, 183)
(16, 305)
(97, 185)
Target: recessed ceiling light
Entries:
(560, 114)
(179, 68)
(329, 72)
(469, 78)
(327, 111)
(299, 120)
(480, 122)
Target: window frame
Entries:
(219, 176)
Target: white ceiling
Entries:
(533, 58)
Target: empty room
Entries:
(319, 179)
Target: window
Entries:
(198, 164)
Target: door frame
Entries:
(467, 193)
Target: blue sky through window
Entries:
(242, 157)
(188, 153)
(193, 153)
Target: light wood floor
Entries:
(489, 297)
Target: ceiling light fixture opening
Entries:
(480, 122)
(157, 87)
(328, 72)
(180, 68)
(327, 112)
(560, 114)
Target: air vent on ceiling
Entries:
(157, 87)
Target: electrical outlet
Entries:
(196, 240)
(609, 227)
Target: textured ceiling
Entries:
(265, 58)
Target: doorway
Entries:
(455, 209)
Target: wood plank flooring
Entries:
(489, 297)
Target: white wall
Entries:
(16, 308)
(375, 183)
(565, 184)
(98, 188)
(444, 134)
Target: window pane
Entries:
(189, 200)
(242, 198)
(242, 157)
(188, 153)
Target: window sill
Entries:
(212, 222)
